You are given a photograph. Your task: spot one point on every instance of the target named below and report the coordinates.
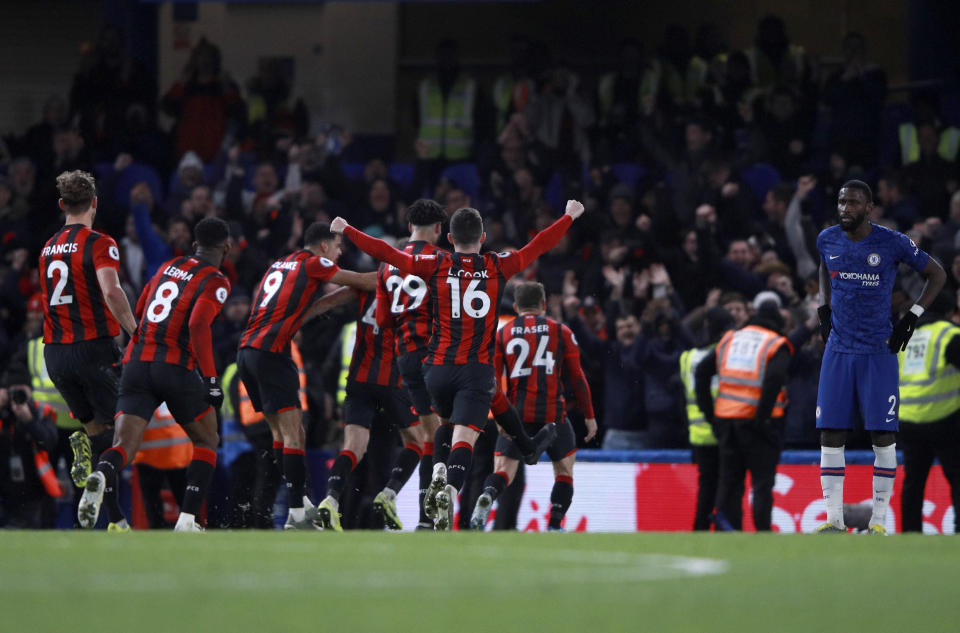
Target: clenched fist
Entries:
(574, 209)
(338, 225)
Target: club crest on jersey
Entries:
(818, 412)
(873, 259)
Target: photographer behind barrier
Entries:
(28, 482)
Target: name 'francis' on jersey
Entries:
(73, 305)
(539, 354)
(403, 303)
(465, 290)
(282, 299)
(862, 276)
(165, 306)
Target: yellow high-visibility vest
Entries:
(929, 385)
(910, 145)
(447, 124)
(701, 434)
(347, 337)
(43, 388)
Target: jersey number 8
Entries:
(162, 301)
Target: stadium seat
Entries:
(760, 177)
(353, 171)
(554, 192)
(465, 175)
(401, 174)
(628, 173)
(135, 173)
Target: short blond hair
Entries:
(77, 190)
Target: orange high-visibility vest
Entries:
(41, 459)
(165, 444)
(742, 357)
(248, 415)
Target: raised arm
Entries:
(378, 249)
(543, 241)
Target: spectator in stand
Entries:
(932, 177)
(784, 133)
(734, 203)
(447, 112)
(855, 94)
(227, 330)
(37, 143)
(189, 175)
(774, 60)
(134, 262)
(206, 104)
(25, 202)
(557, 122)
(381, 214)
(156, 248)
(620, 98)
(513, 90)
(896, 202)
(108, 81)
(801, 234)
(683, 165)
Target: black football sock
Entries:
(295, 473)
(459, 464)
(406, 462)
(441, 443)
(199, 474)
(110, 464)
(343, 465)
(99, 443)
(510, 421)
(495, 484)
(560, 499)
(426, 474)
(278, 454)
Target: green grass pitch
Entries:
(268, 582)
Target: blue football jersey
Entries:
(861, 281)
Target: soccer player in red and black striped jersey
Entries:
(540, 356)
(84, 308)
(170, 344)
(287, 292)
(465, 292)
(373, 386)
(404, 305)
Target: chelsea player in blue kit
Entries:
(858, 266)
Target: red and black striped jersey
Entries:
(374, 348)
(73, 305)
(538, 355)
(465, 290)
(282, 299)
(165, 306)
(403, 304)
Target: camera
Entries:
(18, 395)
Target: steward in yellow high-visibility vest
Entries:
(446, 120)
(705, 451)
(930, 410)
(43, 388)
(947, 147)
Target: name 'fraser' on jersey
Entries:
(862, 276)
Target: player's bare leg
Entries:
(386, 501)
(561, 496)
(203, 433)
(884, 474)
(292, 463)
(355, 441)
(461, 454)
(101, 485)
(442, 441)
(832, 474)
(504, 470)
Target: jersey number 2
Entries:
(58, 298)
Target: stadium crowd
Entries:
(707, 171)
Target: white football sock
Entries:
(186, 518)
(832, 473)
(884, 474)
(297, 514)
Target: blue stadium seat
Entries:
(401, 174)
(553, 193)
(465, 175)
(135, 173)
(353, 171)
(628, 173)
(760, 177)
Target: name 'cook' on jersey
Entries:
(862, 275)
